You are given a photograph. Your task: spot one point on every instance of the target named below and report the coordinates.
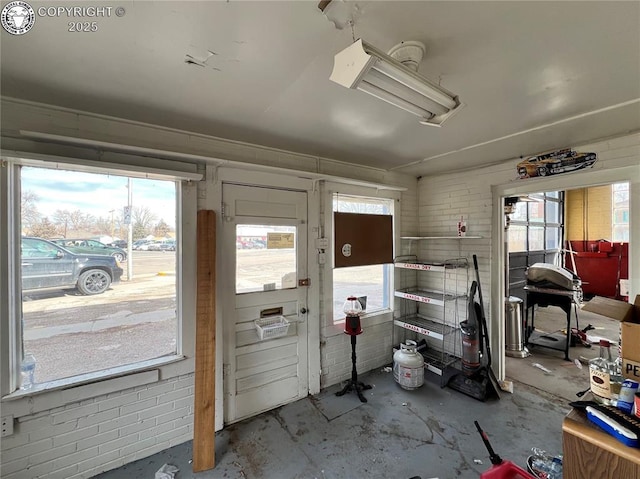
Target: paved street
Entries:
(71, 334)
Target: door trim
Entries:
(555, 183)
(215, 176)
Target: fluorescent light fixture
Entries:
(363, 67)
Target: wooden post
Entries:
(204, 447)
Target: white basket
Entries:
(274, 327)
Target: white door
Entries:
(264, 245)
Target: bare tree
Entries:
(103, 226)
(73, 221)
(161, 228)
(29, 209)
(43, 229)
(142, 219)
(62, 219)
(80, 220)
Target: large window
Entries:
(372, 281)
(98, 262)
(620, 214)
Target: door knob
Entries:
(303, 310)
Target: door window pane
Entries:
(517, 238)
(553, 237)
(265, 258)
(520, 212)
(536, 238)
(553, 212)
(89, 300)
(536, 211)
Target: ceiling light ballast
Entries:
(393, 78)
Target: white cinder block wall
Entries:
(443, 199)
(374, 346)
(82, 439)
(85, 438)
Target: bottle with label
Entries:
(605, 376)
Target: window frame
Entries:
(521, 259)
(331, 327)
(56, 393)
(544, 198)
(614, 209)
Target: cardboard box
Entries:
(611, 308)
(629, 316)
(631, 369)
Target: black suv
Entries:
(47, 265)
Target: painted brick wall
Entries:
(596, 201)
(374, 346)
(442, 199)
(373, 350)
(83, 439)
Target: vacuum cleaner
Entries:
(476, 379)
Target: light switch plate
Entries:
(322, 243)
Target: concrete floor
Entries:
(565, 378)
(400, 434)
(428, 432)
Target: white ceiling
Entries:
(533, 75)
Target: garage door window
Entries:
(97, 272)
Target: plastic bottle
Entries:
(555, 471)
(545, 465)
(541, 466)
(625, 401)
(27, 371)
(541, 462)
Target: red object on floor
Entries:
(596, 263)
(506, 470)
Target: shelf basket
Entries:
(274, 327)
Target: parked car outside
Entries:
(118, 244)
(145, 246)
(89, 246)
(138, 244)
(47, 265)
(559, 161)
(162, 245)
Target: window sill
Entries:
(58, 393)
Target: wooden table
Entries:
(591, 453)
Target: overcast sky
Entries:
(97, 194)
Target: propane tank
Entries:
(408, 366)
